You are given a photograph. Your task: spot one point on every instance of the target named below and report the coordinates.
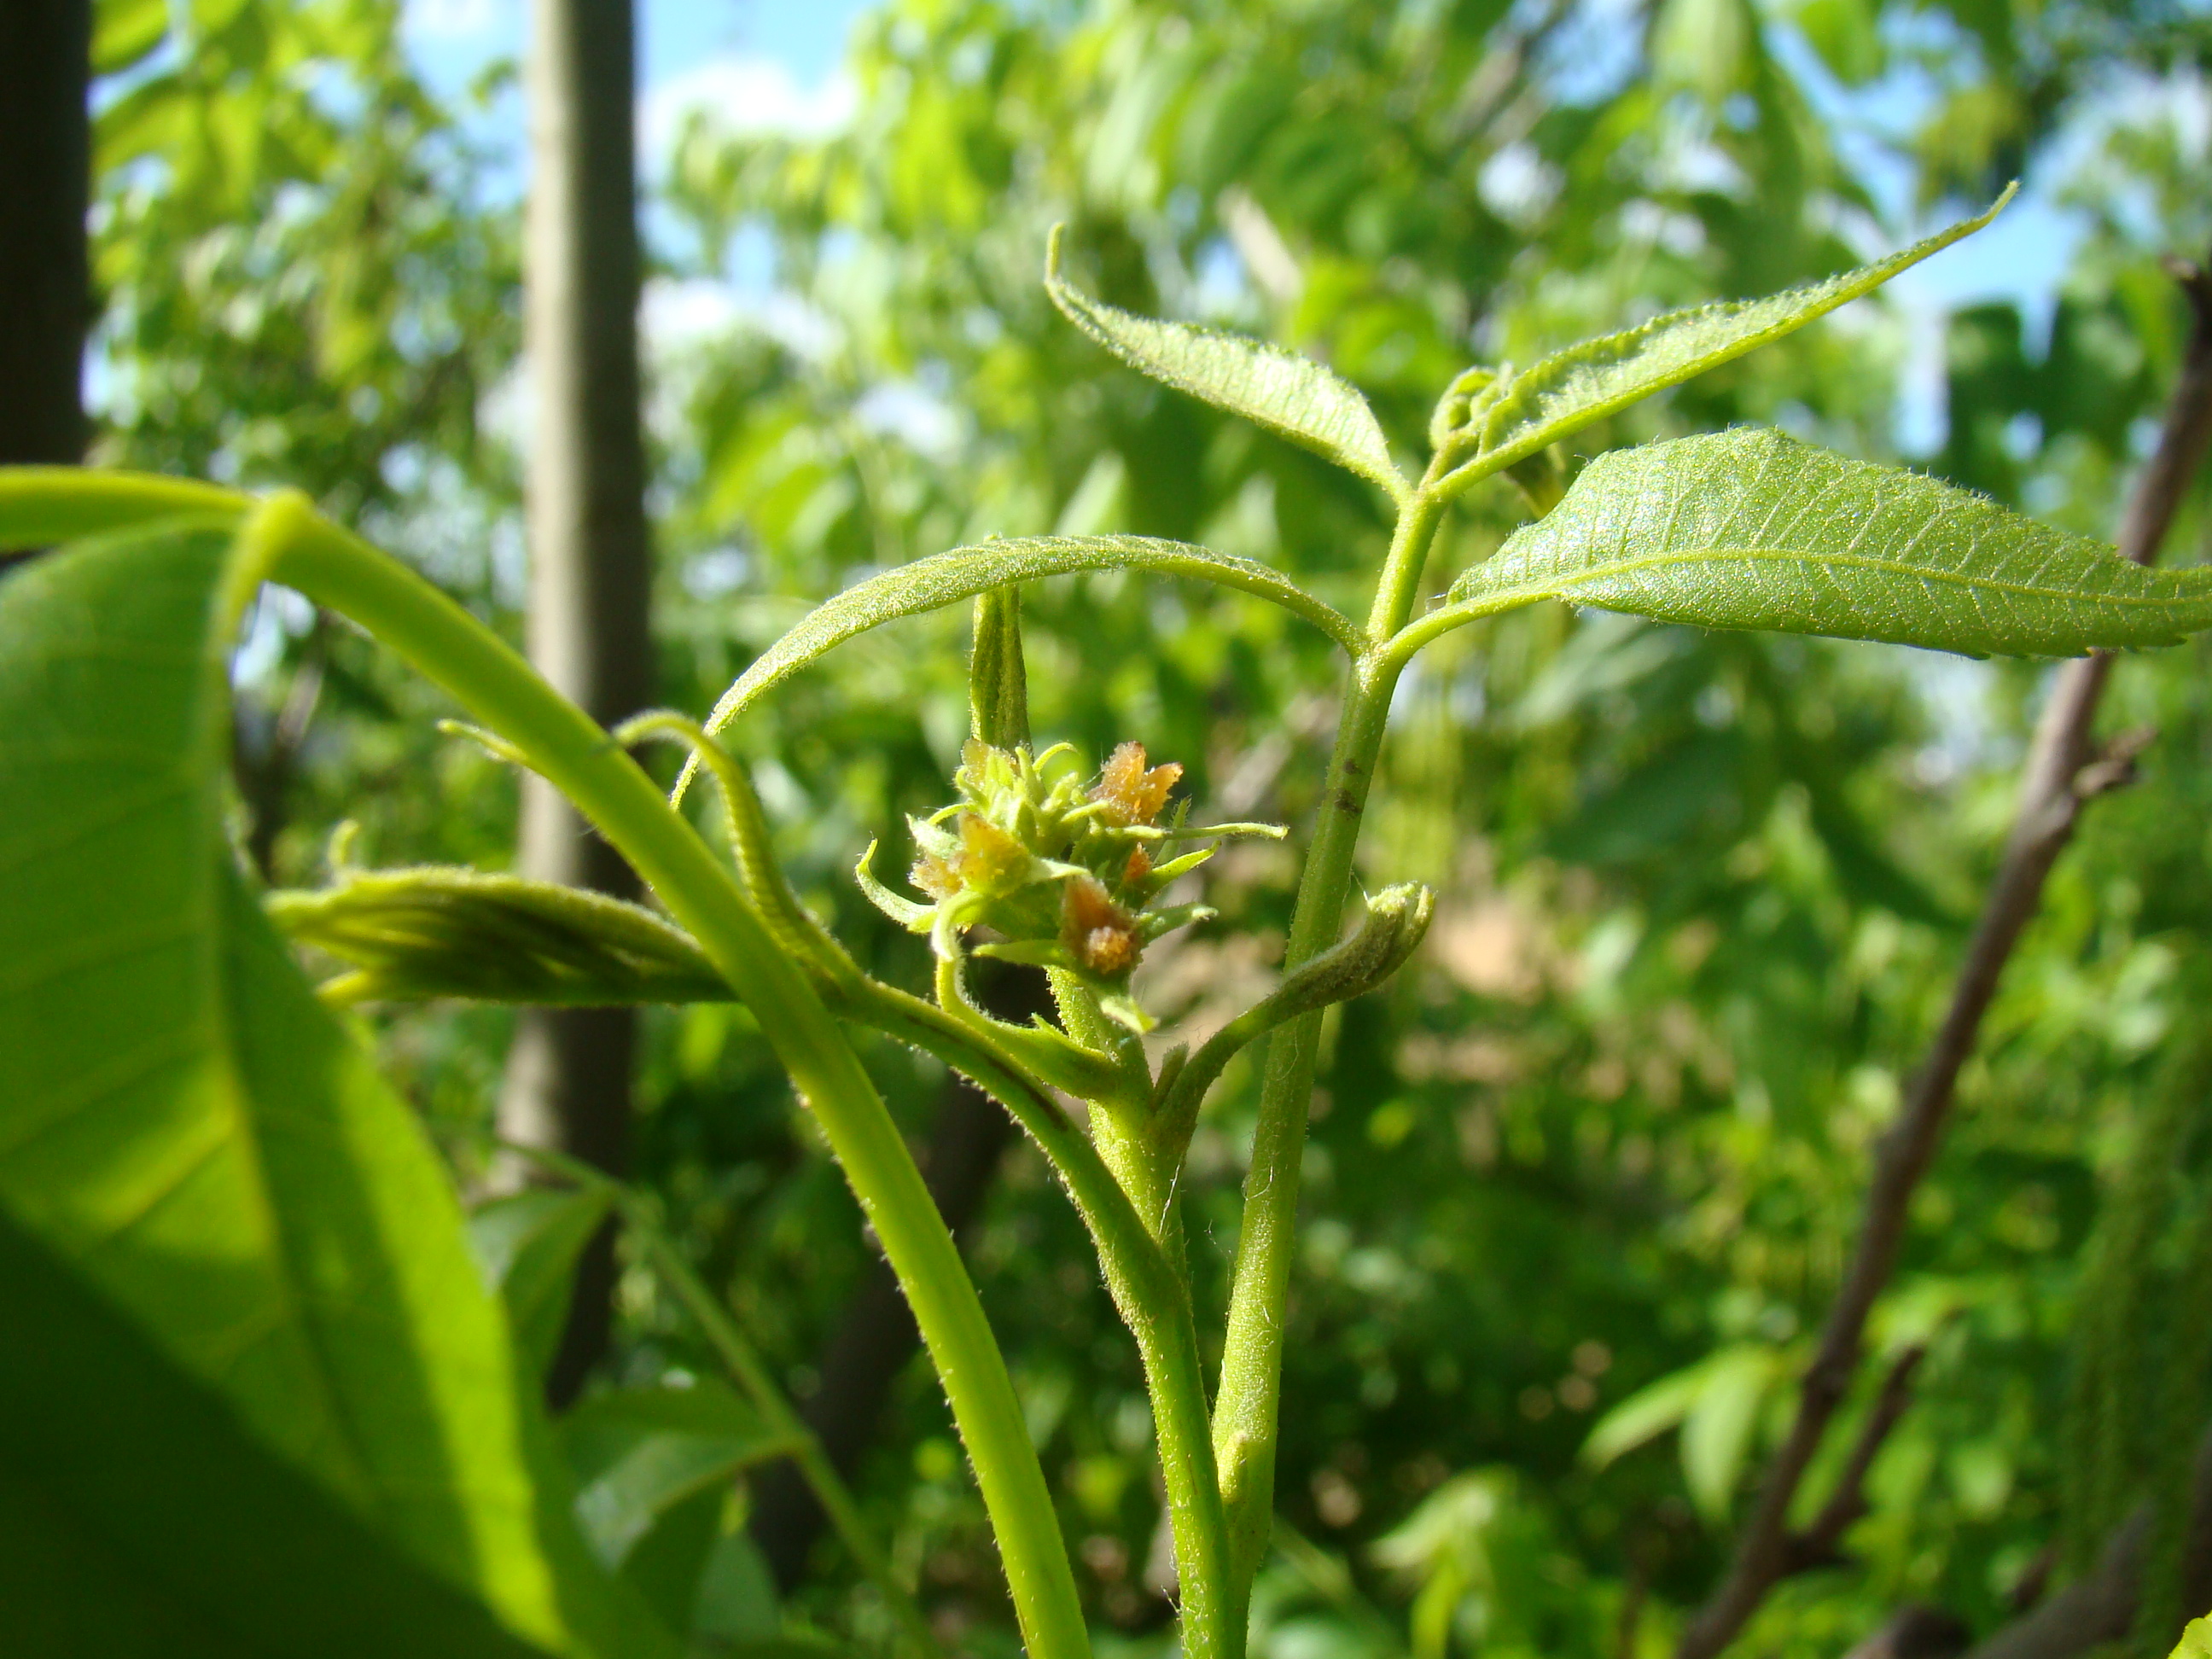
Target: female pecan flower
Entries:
(1066, 874)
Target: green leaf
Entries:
(126, 31)
(914, 918)
(154, 118)
(736, 1595)
(184, 1125)
(637, 1453)
(998, 675)
(1564, 393)
(1642, 1416)
(1716, 1435)
(1716, 1404)
(1753, 529)
(2195, 1641)
(440, 930)
(139, 1520)
(1279, 390)
(948, 578)
(667, 1564)
(528, 1245)
(1396, 922)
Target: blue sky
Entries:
(771, 61)
(774, 63)
(454, 39)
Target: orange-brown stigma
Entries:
(1096, 929)
(1134, 795)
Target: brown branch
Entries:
(2029, 1589)
(1821, 1545)
(2096, 1608)
(1917, 1632)
(2064, 769)
(2099, 1606)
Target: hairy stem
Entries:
(1152, 1296)
(1245, 1416)
(498, 688)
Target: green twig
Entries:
(1245, 1417)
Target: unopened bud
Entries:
(1397, 920)
(1456, 404)
(998, 681)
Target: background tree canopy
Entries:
(1581, 1181)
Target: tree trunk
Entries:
(568, 1075)
(45, 179)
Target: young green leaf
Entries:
(637, 1452)
(528, 1244)
(1396, 922)
(437, 931)
(1717, 1434)
(1715, 1403)
(1288, 394)
(183, 1124)
(948, 578)
(126, 31)
(1565, 391)
(2195, 1641)
(998, 676)
(1645, 1415)
(1753, 529)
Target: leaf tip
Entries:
(1981, 221)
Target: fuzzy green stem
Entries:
(47, 506)
(1401, 569)
(1245, 1416)
(801, 936)
(1149, 1291)
(499, 689)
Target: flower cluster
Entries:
(1066, 874)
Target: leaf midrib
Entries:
(1862, 560)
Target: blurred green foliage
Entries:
(1605, 1141)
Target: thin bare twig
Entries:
(2094, 1609)
(1917, 1632)
(1821, 1545)
(2065, 768)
